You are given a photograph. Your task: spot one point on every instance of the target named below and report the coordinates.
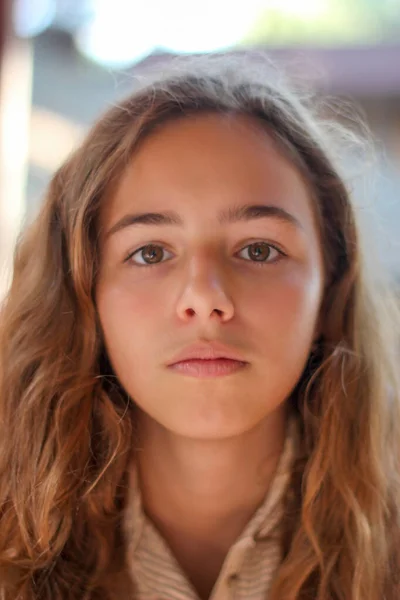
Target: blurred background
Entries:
(64, 61)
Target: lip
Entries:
(205, 368)
(207, 351)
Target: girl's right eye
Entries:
(151, 252)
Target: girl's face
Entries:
(193, 274)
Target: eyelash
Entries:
(281, 255)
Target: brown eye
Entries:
(150, 255)
(262, 252)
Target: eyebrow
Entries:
(235, 214)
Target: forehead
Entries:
(199, 164)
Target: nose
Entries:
(205, 295)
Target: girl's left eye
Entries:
(261, 253)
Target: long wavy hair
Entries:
(67, 427)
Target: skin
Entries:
(219, 438)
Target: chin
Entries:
(210, 429)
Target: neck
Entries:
(202, 493)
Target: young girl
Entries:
(199, 390)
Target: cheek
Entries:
(128, 320)
(286, 309)
(122, 299)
